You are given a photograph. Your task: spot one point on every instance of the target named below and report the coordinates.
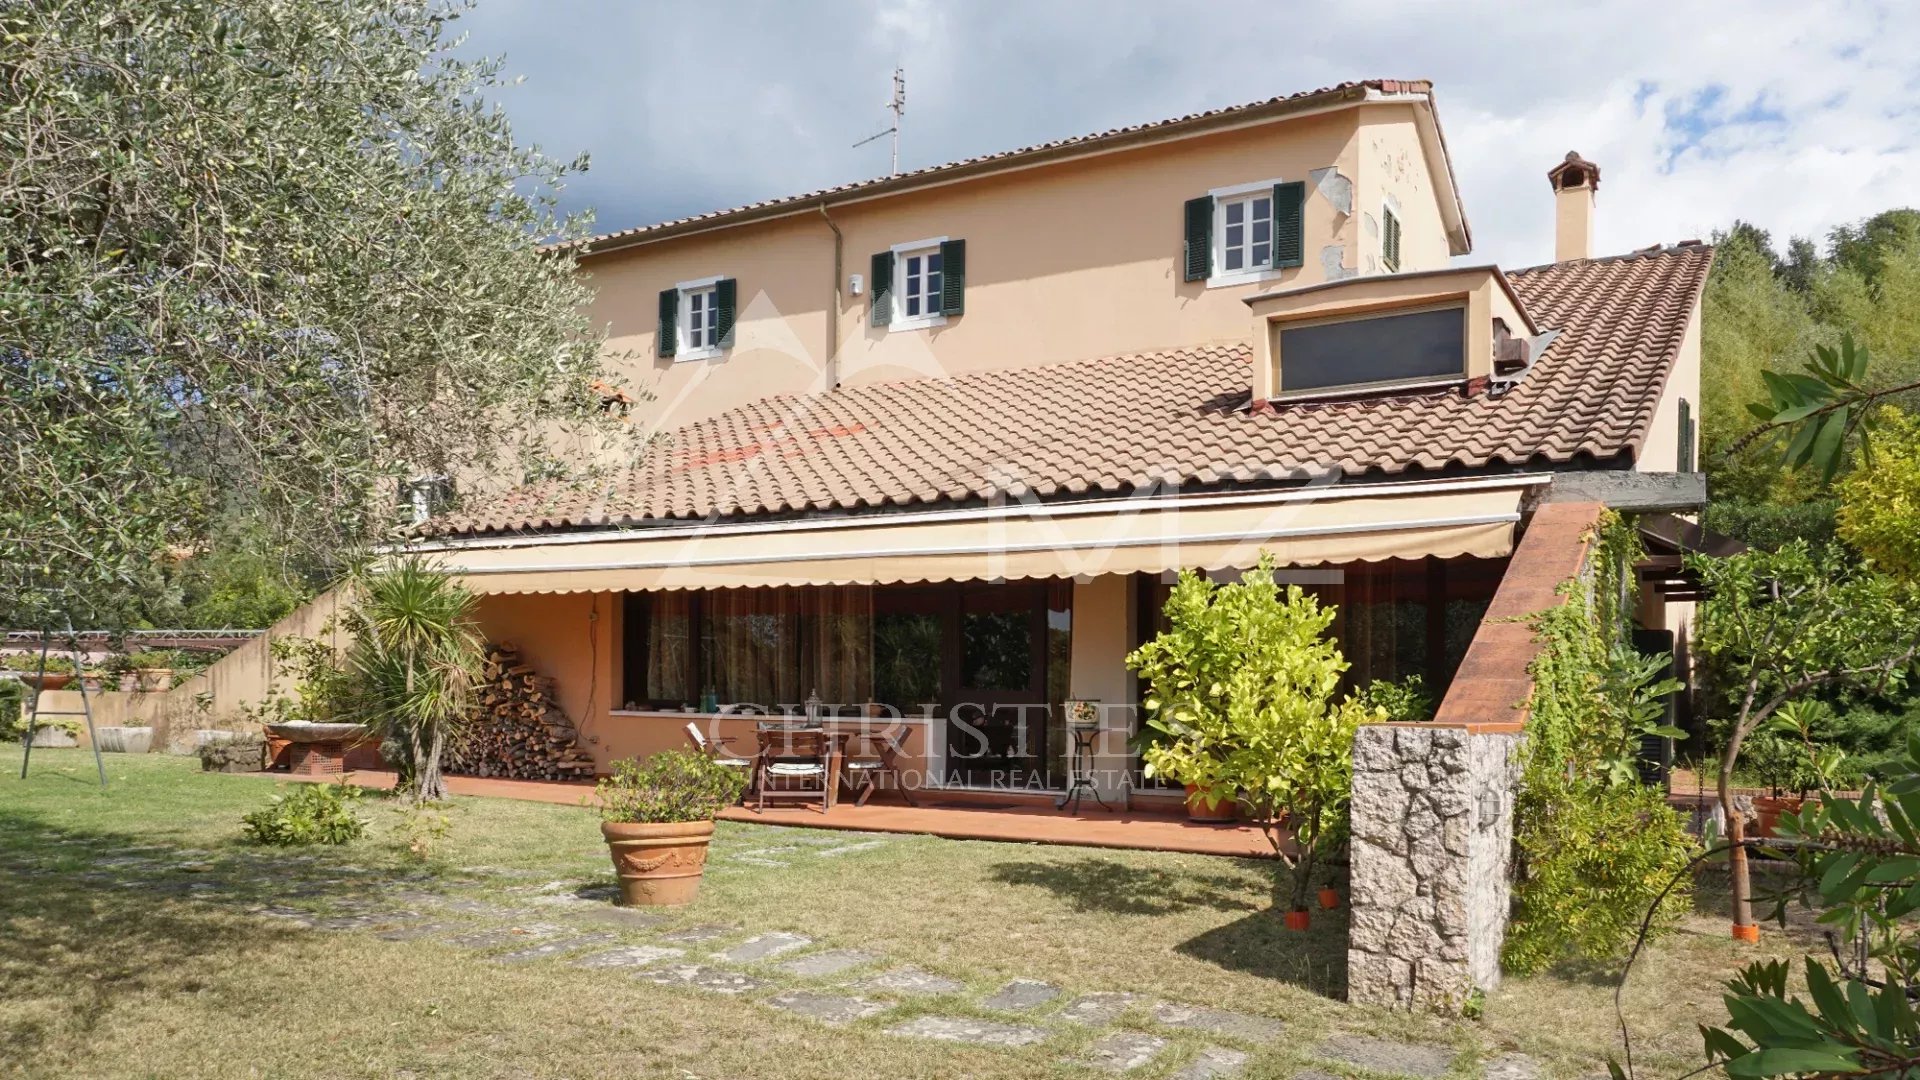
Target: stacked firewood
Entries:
(518, 729)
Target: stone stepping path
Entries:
(1221, 1022)
(763, 947)
(629, 956)
(1513, 1067)
(1388, 1056)
(414, 932)
(695, 935)
(910, 982)
(1098, 1008)
(965, 1030)
(548, 949)
(827, 1008)
(1119, 1051)
(831, 962)
(702, 977)
(505, 935)
(1216, 1063)
(1021, 995)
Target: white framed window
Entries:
(699, 304)
(426, 496)
(1243, 234)
(919, 274)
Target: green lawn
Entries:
(131, 944)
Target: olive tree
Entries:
(1243, 685)
(266, 257)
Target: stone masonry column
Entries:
(1433, 802)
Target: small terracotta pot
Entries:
(52, 680)
(1329, 899)
(1299, 920)
(1749, 933)
(1224, 810)
(658, 863)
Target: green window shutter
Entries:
(1289, 224)
(1685, 463)
(953, 277)
(669, 320)
(1390, 239)
(723, 299)
(1199, 221)
(880, 290)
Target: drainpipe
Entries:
(833, 313)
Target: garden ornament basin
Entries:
(317, 733)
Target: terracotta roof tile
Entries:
(914, 177)
(1114, 424)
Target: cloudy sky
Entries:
(1797, 116)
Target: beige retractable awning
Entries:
(1079, 540)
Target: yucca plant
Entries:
(417, 654)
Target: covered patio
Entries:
(962, 634)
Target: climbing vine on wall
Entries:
(1593, 844)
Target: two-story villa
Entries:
(933, 445)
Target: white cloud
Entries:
(1795, 116)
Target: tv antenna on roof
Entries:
(898, 106)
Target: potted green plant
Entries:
(60, 670)
(657, 818)
(152, 670)
(1242, 685)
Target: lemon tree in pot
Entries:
(1243, 687)
(657, 817)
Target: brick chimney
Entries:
(1574, 182)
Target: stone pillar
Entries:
(1432, 847)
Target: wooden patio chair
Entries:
(795, 758)
(718, 751)
(872, 755)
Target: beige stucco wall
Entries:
(1393, 172)
(1065, 261)
(215, 698)
(1661, 451)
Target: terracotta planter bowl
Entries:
(659, 864)
(317, 733)
(1224, 810)
(50, 681)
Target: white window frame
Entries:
(897, 293)
(683, 349)
(1219, 277)
(420, 495)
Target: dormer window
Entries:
(1373, 352)
(1245, 233)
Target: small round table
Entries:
(1080, 768)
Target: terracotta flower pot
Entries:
(1749, 933)
(52, 680)
(1767, 810)
(1329, 899)
(1299, 920)
(1197, 810)
(658, 863)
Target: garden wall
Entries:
(1433, 802)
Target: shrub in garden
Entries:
(309, 814)
(671, 786)
(1241, 687)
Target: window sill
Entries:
(692, 355)
(1244, 277)
(919, 322)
